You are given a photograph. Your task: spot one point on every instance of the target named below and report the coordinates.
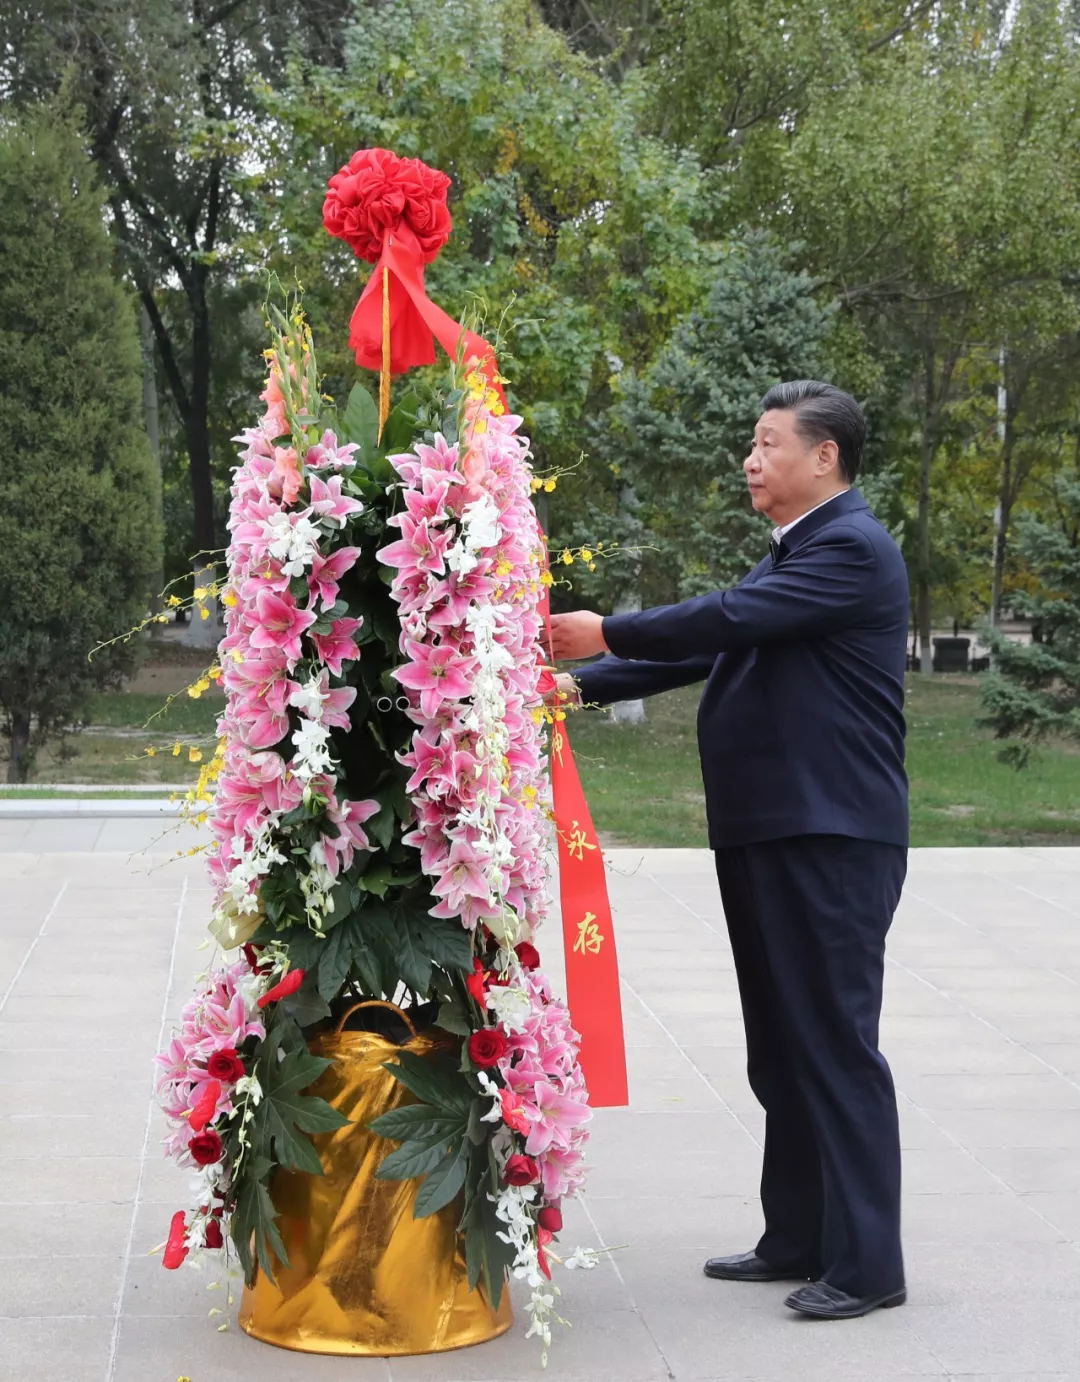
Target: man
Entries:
(801, 734)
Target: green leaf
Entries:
(418, 1123)
(410, 1160)
(285, 1067)
(254, 1227)
(377, 879)
(335, 960)
(381, 827)
(449, 943)
(441, 1185)
(306, 1006)
(341, 904)
(434, 1080)
(360, 421)
(401, 425)
(451, 1018)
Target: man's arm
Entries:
(818, 589)
(616, 679)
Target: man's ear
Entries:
(828, 458)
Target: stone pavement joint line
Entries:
(99, 939)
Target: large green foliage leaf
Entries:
(285, 1068)
(441, 1184)
(360, 421)
(434, 1080)
(254, 1223)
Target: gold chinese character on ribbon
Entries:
(589, 940)
(557, 741)
(577, 841)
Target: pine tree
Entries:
(1034, 691)
(79, 539)
(676, 440)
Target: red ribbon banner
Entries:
(395, 300)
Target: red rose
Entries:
(376, 193)
(289, 984)
(226, 1065)
(205, 1147)
(487, 1046)
(521, 1170)
(176, 1247)
(251, 954)
(550, 1219)
(528, 954)
(205, 1106)
(214, 1236)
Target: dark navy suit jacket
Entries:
(801, 724)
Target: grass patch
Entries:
(129, 710)
(644, 783)
(81, 794)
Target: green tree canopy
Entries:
(673, 445)
(1034, 691)
(79, 534)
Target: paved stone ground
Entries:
(97, 953)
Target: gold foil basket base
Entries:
(364, 1277)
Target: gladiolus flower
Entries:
(550, 1218)
(214, 1237)
(513, 1112)
(543, 1238)
(205, 1105)
(288, 985)
(176, 1247)
(477, 982)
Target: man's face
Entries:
(783, 471)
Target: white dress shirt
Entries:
(778, 533)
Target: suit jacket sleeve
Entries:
(617, 679)
(823, 586)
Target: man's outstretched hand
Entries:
(580, 634)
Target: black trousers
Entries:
(808, 918)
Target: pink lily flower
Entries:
(338, 645)
(279, 623)
(439, 674)
(464, 876)
(327, 571)
(419, 549)
(328, 501)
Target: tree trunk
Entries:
(931, 404)
(1003, 509)
(21, 757)
(922, 568)
(152, 417)
(201, 633)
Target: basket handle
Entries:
(375, 1003)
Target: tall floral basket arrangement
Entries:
(380, 809)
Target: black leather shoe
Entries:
(747, 1266)
(825, 1302)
